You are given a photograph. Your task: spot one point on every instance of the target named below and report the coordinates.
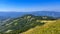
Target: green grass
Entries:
(48, 28)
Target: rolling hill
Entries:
(23, 23)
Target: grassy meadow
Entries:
(51, 27)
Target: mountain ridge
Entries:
(28, 21)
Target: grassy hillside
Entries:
(52, 27)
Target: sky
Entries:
(29, 5)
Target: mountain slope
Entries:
(17, 25)
(22, 24)
(48, 28)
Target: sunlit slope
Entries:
(52, 27)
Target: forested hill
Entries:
(23, 23)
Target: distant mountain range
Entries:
(4, 16)
(37, 13)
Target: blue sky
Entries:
(29, 5)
